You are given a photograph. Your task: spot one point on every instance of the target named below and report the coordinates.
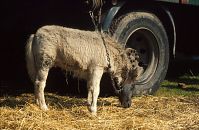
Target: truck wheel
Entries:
(144, 32)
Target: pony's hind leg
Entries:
(40, 84)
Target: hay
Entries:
(67, 113)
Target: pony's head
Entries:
(126, 83)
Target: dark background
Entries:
(19, 19)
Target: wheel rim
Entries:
(146, 44)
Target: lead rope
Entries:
(109, 66)
(93, 20)
(106, 49)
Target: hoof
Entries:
(92, 110)
(44, 108)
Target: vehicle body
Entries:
(156, 29)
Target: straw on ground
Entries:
(147, 112)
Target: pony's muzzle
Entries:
(126, 104)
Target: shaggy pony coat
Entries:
(81, 52)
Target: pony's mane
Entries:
(112, 42)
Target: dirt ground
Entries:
(68, 113)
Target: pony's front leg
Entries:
(94, 88)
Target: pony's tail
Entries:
(30, 63)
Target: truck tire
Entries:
(144, 32)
